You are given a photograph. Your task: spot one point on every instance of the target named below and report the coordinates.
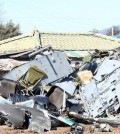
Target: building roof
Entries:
(79, 41)
(59, 41)
(20, 43)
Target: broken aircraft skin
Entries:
(24, 117)
(47, 70)
(51, 65)
(102, 92)
(67, 93)
(12, 116)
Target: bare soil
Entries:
(60, 130)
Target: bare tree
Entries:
(9, 30)
(94, 30)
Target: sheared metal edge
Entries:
(39, 124)
(14, 116)
(106, 67)
(40, 119)
(67, 85)
(97, 97)
(51, 64)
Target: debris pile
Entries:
(42, 89)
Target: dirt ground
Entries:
(60, 130)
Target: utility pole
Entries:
(112, 30)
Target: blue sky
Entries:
(61, 15)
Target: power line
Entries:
(48, 13)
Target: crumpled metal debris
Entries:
(7, 87)
(51, 91)
(97, 95)
(12, 116)
(17, 98)
(39, 124)
(20, 116)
